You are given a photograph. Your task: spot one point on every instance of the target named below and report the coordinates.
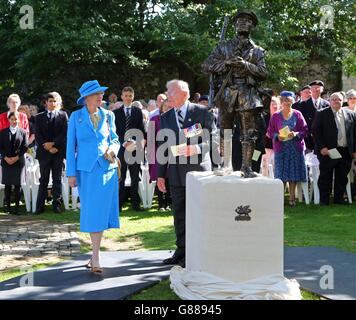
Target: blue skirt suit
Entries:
(97, 178)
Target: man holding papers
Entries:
(334, 132)
(186, 129)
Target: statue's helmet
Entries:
(248, 13)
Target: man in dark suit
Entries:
(305, 94)
(194, 156)
(309, 108)
(334, 128)
(131, 132)
(13, 146)
(51, 139)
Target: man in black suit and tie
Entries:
(51, 139)
(13, 146)
(334, 128)
(194, 156)
(131, 132)
(309, 108)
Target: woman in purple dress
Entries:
(289, 150)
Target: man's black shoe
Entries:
(139, 209)
(181, 263)
(173, 260)
(39, 211)
(342, 202)
(324, 203)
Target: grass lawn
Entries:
(153, 230)
(311, 225)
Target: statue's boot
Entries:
(226, 150)
(247, 153)
(228, 154)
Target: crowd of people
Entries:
(104, 139)
(311, 131)
(319, 128)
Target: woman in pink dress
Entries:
(164, 200)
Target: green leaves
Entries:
(78, 35)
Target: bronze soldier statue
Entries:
(238, 66)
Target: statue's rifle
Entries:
(227, 78)
(212, 97)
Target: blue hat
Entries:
(287, 94)
(88, 88)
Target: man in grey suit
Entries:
(334, 128)
(192, 155)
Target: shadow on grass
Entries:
(162, 238)
(160, 291)
(69, 216)
(147, 214)
(158, 240)
(312, 225)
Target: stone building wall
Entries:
(348, 82)
(330, 73)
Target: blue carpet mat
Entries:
(125, 273)
(314, 267)
(128, 272)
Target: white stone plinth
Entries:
(218, 244)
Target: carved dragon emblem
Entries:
(243, 213)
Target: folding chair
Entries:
(145, 188)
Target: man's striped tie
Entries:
(180, 118)
(128, 119)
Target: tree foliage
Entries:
(74, 40)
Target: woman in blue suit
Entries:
(92, 146)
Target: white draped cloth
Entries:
(196, 285)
